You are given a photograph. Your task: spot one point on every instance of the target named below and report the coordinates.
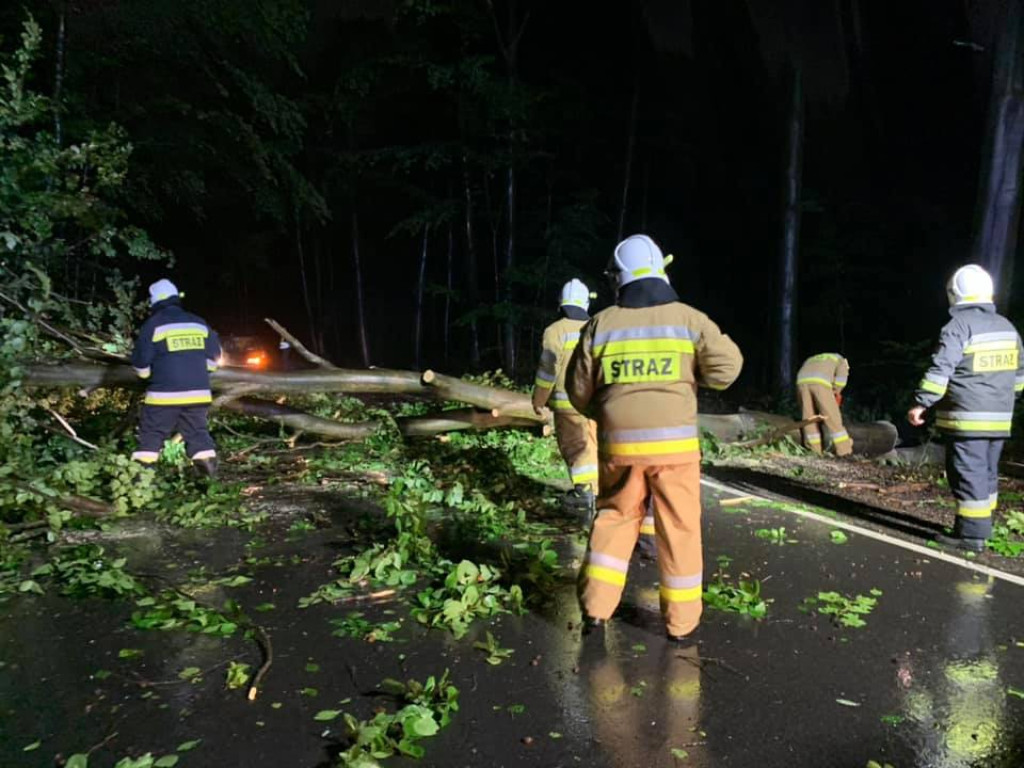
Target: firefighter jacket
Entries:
(827, 370)
(175, 352)
(559, 340)
(636, 371)
(976, 373)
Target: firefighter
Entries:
(175, 353)
(636, 371)
(576, 435)
(975, 375)
(819, 388)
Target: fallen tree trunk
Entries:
(501, 402)
(453, 421)
(869, 439)
(89, 376)
(296, 419)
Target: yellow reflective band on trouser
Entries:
(814, 438)
(584, 473)
(1019, 386)
(687, 595)
(931, 386)
(544, 383)
(974, 508)
(840, 437)
(607, 575)
(814, 380)
(145, 457)
(647, 526)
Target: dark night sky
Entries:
(894, 131)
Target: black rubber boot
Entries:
(961, 542)
(206, 467)
(683, 641)
(580, 503)
(594, 627)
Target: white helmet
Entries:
(970, 285)
(162, 289)
(638, 257)
(575, 294)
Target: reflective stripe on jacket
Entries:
(636, 371)
(175, 352)
(827, 370)
(559, 340)
(976, 373)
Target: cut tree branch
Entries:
(299, 347)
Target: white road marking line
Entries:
(934, 554)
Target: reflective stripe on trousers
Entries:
(972, 468)
(675, 492)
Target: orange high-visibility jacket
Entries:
(559, 340)
(636, 372)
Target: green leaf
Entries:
(848, 703)
(31, 747)
(1012, 691)
(838, 537)
(263, 607)
(188, 746)
(189, 673)
(309, 692)
(679, 754)
(167, 761)
(311, 667)
(78, 760)
(129, 653)
(554, 735)
(327, 714)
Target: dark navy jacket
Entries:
(176, 351)
(976, 373)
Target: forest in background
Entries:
(408, 183)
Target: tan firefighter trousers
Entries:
(577, 442)
(675, 490)
(814, 400)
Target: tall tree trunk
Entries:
(995, 236)
(790, 247)
(630, 145)
(306, 295)
(421, 284)
(448, 295)
(364, 344)
(509, 327)
(58, 75)
(646, 193)
(472, 287)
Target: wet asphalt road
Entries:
(925, 683)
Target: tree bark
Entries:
(790, 245)
(472, 287)
(448, 296)
(58, 75)
(378, 380)
(501, 402)
(300, 420)
(421, 284)
(630, 146)
(995, 237)
(364, 343)
(468, 418)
